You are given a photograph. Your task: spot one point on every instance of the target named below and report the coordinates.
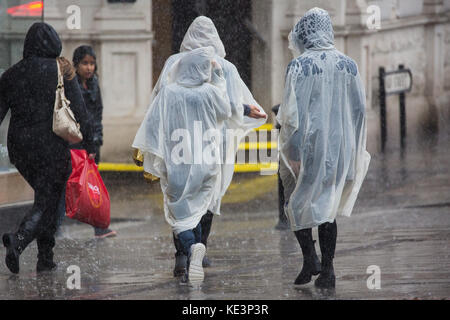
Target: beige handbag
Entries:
(64, 123)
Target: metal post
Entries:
(402, 97)
(382, 109)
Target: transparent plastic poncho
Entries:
(323, 126)
(180, 138)
(202, 33)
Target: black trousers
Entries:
(47, 177)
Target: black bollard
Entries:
(382, 91)
(402, 98)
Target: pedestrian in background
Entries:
(322, 141)
(41, 157)
(85, 63)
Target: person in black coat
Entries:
(41, 157)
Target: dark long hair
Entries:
(81, 52)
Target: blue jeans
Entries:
(190, 237)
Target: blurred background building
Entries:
(133, 38)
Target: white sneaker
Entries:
(196, 273)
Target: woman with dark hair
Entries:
(84, 61)
(42, 158)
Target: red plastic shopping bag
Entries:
(87, 199)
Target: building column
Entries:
(124, 37)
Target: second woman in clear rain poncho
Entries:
(322, 141)
(181, 141)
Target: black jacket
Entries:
(28, 90)
(93, 100)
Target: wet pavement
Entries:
(401, 223)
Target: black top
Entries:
(93, 100)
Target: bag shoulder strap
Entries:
(60, 77)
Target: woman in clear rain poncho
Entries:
(247, 113)
(181, 145)
(322, 141)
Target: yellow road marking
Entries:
(239, 167)
(258, 145)
(266, 126)
(108, 166)
(238, 192)
(256, 167)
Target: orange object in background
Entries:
(31, 9)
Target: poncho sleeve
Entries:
(239, 94)
(359, 164)
(358, 104)
(165, 75)
(293, 114)
(220, 103)
(358, 109)
(149, 137)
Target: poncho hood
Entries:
(314, 31)
(194, 68)
(202, 33)
(42, 41)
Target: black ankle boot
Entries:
(180, 259)
(326, 279)
(327, 241)
(45, 263)
(13, 250)
(311, 263)
(206, 223)
(180, 264)
(206, 263)
(311, 267)
(45, 254)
